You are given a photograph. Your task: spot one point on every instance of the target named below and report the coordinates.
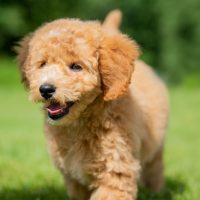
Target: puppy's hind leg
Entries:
(152, 175)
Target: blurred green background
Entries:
(169, 35)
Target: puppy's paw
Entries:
(104, 193)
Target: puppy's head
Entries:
(67, 64)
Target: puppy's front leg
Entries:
(108, 193)
(116, 179)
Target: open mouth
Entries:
(57, 111)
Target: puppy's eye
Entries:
(43, 63)
(75, 67)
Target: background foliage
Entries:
(167, 31)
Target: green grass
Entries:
(27, 173)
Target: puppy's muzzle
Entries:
(47, 90)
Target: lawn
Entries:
(27, 173)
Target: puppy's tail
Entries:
(113, 20)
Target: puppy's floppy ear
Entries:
(116, 64)
(22, 50)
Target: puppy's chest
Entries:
(77, 161)
(74, 159)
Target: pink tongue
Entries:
(55, 109)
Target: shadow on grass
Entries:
(40, 193)
(173, 187)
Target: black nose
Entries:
(47, 90)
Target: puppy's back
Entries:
(150, 96)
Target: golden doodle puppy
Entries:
(105, 111)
